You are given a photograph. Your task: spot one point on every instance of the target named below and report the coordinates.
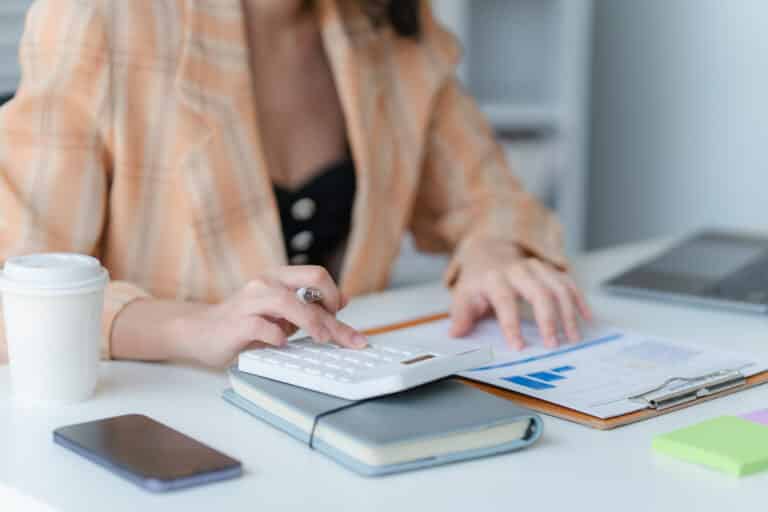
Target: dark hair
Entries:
(402, 15)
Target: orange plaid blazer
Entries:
(133, 137)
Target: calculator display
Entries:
(418, 359)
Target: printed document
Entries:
(598, 375)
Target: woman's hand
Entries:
(495, 276)
(264, 312)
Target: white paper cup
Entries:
(52, 308)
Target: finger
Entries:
(344, 335)
(565, 301)
(465, 311)
(257, 345)
(255, 329)
(544, 309)
(283, 307)
(316, 321)
(295, 277)
(581, 302)
(288, 328)
(504, 301)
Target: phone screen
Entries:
(147, 452)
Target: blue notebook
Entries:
(434, 424)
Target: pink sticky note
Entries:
(757, 416)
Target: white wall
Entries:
(680, 126)
(11, 25)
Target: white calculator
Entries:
(387, 365)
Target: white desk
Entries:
(571, 468)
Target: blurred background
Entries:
(633, 119)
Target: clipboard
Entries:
(659, 401)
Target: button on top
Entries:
(300, 259)
(303, 209)
(302, 240)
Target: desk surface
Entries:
(572, 467)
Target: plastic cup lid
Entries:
(53, 271)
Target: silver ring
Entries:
(309, 295)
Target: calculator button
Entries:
(293, 366)
(333, 366)
(312, 371)
(311, 360)
(343, 379)
(368, 365)
(271, 360)
(350, 371)
(329, 375)
(352, 360)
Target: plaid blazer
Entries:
(133, 137)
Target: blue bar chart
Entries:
(541, 380)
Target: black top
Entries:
(317, 217)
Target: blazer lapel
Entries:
(354, 47)
(235, 215)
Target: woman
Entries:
(196, 147)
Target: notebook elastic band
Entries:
(328, 413)
(359, 402)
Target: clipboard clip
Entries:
(679, 390)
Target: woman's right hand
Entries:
(266, 311)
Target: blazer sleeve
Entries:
(54, 143)
(467, 192)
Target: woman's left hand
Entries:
(496, 275)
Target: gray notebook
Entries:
(437, 423)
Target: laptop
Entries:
(711, 268)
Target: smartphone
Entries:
(148, 453)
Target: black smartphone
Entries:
(148, 453)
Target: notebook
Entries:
(438, 423)
(737, 445)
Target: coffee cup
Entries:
(52, 310)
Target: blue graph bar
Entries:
(529, 383)
(554, 353)
(546, 376)
(561, 369)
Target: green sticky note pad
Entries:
(730, 444)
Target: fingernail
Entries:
(360, 341)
